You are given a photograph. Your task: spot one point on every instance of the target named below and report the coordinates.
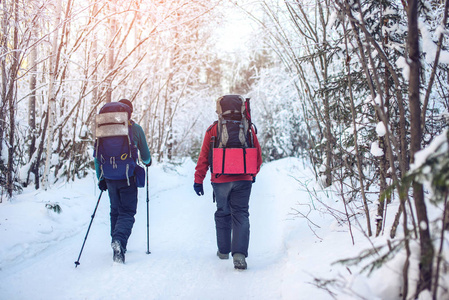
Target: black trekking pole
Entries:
(85, 238)
(148, 216)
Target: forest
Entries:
(359, 90)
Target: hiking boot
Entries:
(119, 252)
(239, 261)
(222, 256)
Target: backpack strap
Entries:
(222, 133)
(212, 126)
(213, 140)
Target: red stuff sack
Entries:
(234, 161)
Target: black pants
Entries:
(123, 199)
(232, 216)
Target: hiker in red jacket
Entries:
(231, 192)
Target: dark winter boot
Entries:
(119, 252)
(222, 256)
(239, 261)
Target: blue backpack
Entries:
(114, 147)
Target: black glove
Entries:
(102, 185)
(198, 187)
(254, 179)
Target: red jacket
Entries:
(203, 160)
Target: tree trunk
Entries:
(426, 256)
(356, 145)
(383, 161)
(329, 139)
(4, 80)
(32, 100)
(52, 95)
(112, 33)
(11, 98)
(94, 56)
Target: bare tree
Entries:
(153, 56)
(426, 246)
(51, 108)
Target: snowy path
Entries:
(182, 263)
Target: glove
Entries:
(102, 185)
(198, 187)
(254, 179)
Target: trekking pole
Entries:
(148, 216)
(85, 238)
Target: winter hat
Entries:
(127, 102)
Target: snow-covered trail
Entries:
(183, 262)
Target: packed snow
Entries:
(294, 240)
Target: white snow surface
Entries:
(39, 247)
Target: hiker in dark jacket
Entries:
(123, 193)
(232, 193)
